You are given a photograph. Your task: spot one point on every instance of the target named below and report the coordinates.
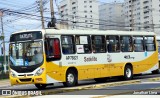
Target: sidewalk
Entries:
(4, 83)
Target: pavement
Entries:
(5, 83)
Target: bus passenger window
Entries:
(126, 44)
(52, 48)
(113, 43)
(83, 44)
(68, 46)
(98, 44)
(150, 44)
(138, 44)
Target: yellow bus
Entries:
(47, 56)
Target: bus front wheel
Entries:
(71, 79)
(128, 72)
(41, 86)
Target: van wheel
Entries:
(71, 79)
(128, 72)
(41, 86)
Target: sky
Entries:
(16, 19)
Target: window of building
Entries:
(83, 43)
(91, 11)
(113, 43)
(85, 11)
(150, 44)
(68, 44)
(98, 44)
(73, 3)
(126, 43)
(90, 6)
(73, 8)
(138, 44)
(85, 1)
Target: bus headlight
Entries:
(39, 72)
(12, 74)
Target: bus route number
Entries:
(71, 57)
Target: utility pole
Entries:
(53, 19)
(41, 12)
(152, 19)
(3, 42)
(51, 7)
(132, 17)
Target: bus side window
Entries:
(98, 44)
(68, 46)
(52, 48)
(126, 44)
(83, 43)
(150, 43)
(113, 43)
(138, 44)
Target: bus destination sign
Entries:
(26, 36)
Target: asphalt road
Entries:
(143, 84)
(81, 83)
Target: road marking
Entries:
(151, 82)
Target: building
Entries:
(142, 15)
(111, 16)
(80, 14)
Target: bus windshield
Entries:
(26, 53)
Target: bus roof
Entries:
(97, 32)
(87, 32)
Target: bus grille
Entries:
(25, 80)
(26, 75)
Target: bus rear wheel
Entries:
(41, 86)
(71, 79)
(128, 72)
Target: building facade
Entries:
(142, 15)
(80, 14)
(111, 16)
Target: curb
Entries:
(154, 79)
(91, 87)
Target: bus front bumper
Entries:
(27, 80)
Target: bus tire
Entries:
(128, 72)
(71, 79)
(41, 86)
